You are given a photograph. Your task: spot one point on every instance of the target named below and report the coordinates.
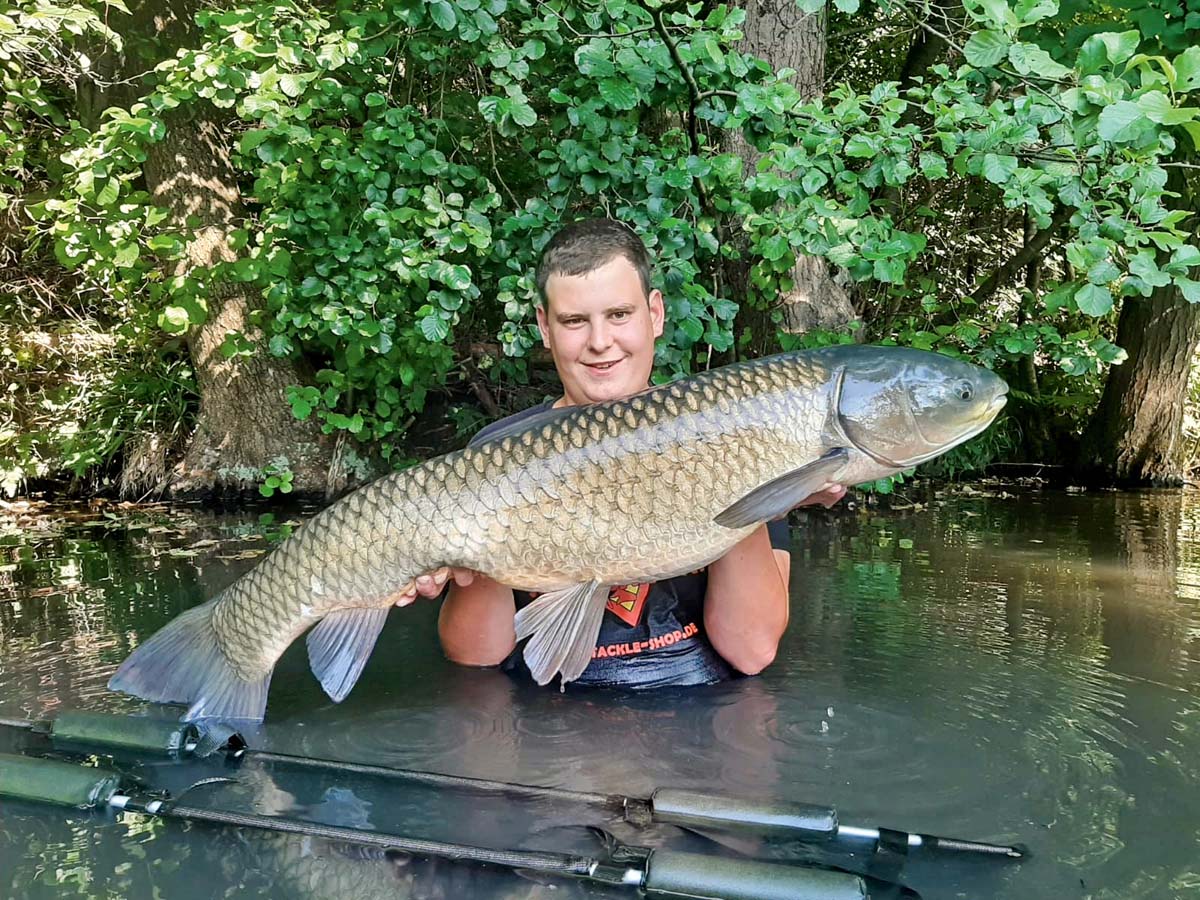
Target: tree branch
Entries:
(693, 95)
(1026, 255)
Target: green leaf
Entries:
(1187, 69)
(713, 50)
(1140, 60)
(1145, 267)
(999, 168)
(1093, 300)
(175, 319)
(434, 328)
(1103, 272)
(126, 256)
(492, 108)
(1119, 121)
(1190, 289)
(1184, 258)
(534, 48)
(593, 60)
(986, 48)
(692, 327)
(994, 12)
(1092, 56)
(523, 114)
(618, 93)
(443, 14)
(774, 247)
(456, 278)
(1030, 11)
(1030, 59)
(1158, 108)
(292, 85)
(252, 139)
(847, 6)
(861, 146)
(1193, 130)
(163, 243)
(1057, 298)
(933, 166)
(1120, 45)
(107, 195)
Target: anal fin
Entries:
(562, 627)
(775, 498)
(339, 646)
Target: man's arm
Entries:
(746, 606)
(476, 622)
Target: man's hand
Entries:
(431, 583)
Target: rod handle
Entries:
(698, 810)
(52, 781)
(671, 873)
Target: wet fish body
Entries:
(568, 503)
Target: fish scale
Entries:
(567, 503)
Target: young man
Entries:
(599, 318)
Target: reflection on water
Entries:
(1001, 666)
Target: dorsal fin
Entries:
(536, 421)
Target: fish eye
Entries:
(965, 392)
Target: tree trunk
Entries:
(782, 34)
(1134, 438)
(244, 422)
(1136, 435)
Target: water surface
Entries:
(999, 664)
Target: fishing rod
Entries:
(653, 872)
(668, 806)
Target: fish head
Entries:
(902, 406)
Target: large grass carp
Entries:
(568, 503)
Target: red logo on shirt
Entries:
(627, 601)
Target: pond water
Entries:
(1004, 664)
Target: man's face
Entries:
(600, 329)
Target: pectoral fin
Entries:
(775, 498)
(339, 646)
(562, 627)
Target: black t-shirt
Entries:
(652, 635)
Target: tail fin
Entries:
(183, 663)
(562, 627)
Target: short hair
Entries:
(588, 244)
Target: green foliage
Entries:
(407, 161)
(77, 397)
(971, 458)
(885, 485)
(276, 477)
